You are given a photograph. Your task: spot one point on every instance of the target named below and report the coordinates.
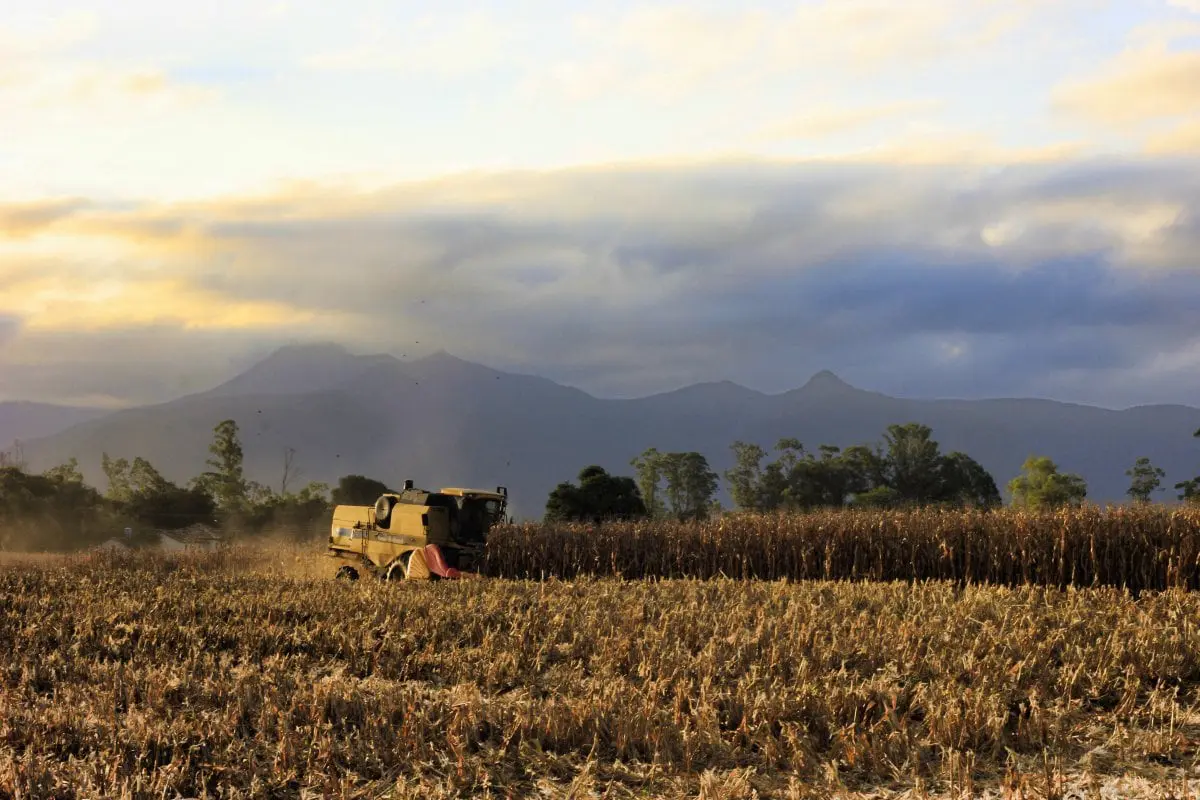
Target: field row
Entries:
(148, 676)
(1132, 547)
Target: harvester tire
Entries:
(398, 569)
(346, 574)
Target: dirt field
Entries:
(246, 675)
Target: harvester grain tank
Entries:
(415, 534)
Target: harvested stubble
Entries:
(1130, 547)
(149, 676)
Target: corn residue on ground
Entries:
(242, 674)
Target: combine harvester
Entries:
(415, 534)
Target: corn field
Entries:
(1139, 548)
(235, 675)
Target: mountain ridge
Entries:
(443, 420)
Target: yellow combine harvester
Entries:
(415, 534)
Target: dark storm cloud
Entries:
(900, 296)
(1073, 278)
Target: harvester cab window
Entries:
(479, 515)
(491, 511)
(452, 513)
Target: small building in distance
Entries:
(192, 538)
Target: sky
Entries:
(934, 198)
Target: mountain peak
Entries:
(442, 356)
(310, 349)
(300, 368)
(825, 380)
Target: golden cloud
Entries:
(24, 219)
(964, 149)
(822, 122)
(1148, 82)
(1181, 140)
(60, 302)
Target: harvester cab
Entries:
(416, 533)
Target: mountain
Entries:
(21, 421)
(301, 369)
(444, 421)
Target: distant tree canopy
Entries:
(1041, 485)
(907, 469)
(358, 490)
(148, 499)
(690, 485)
(598, 497)
(58, 510)
(225, 482)
(1144, 480)
(55, 510)
(1189, 490)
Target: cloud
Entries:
(22, 219)
(114, 367)
(627, 280)
(669, 50)
(964, 148)
(1181, 140)
(10, 327)
(822, 122)
(43, 35)
(443, 45)
(1151, 80)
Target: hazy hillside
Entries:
(444, 421)
(21, 421)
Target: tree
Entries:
(171, 507)
(146, 498)
(66, 473)
(117, 473)
(964, 482)
(14, 456)
(813, 482)
(226, 482)
(295, 514)
(598, 498)
(1042, 486)
(1190, 490)
(913, 463)
(909, 469)
(55, 510)
(649, 474)
(290, 472)
(691, 484)
(1144, 480)
(865, 468)
(358, 490)
(878, 497)
(745, 476)
(774, 490)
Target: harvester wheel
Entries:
(346, 574)
(398, 569)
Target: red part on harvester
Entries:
(437, 563)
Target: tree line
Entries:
(907, 469)
(58, 510)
